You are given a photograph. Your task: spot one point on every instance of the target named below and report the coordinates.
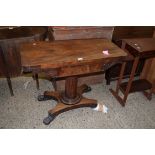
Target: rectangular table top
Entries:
(64, 53)
(141, 46)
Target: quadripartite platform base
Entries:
(65, 104)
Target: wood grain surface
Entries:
(142, 47)
(63, 53)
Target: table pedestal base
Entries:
(62, 106)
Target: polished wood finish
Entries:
(60, 107)
(61, 59)
(70, 90)
(139, 48)
(10, 39)
(63, 56)
(89, 79)
(80, 32)
(143, 47)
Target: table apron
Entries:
(80, 69)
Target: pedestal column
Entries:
(70, 95)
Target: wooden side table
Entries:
(127, 32)
(138, 48)
(70, 59)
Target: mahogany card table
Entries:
(69, 59)
(138, 48)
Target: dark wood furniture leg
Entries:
(6, 72)
(116, 93)
(10, 86)
(70, 99)
(54, 83)
(135, 64)
(35, 77)
(121, 77)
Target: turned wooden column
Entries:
(70, 95)
(71, 87)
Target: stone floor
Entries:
(24, 111)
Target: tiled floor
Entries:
(24, 111)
